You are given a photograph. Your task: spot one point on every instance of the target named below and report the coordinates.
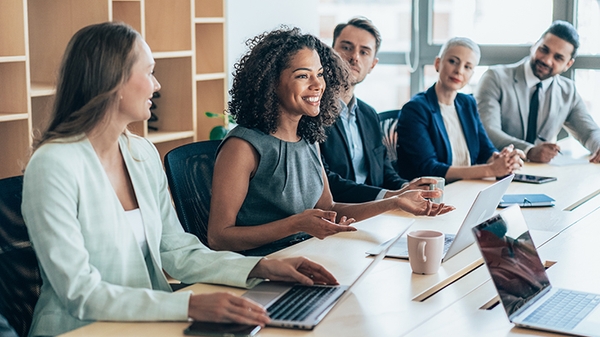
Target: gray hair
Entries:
(463, 42)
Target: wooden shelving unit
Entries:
(187, 38)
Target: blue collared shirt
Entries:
(355, 145)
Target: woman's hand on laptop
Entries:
(226, 307)
(293, 269)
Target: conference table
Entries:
(460, 299)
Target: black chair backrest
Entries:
(189, 172)
(388, 121)
(20, 280)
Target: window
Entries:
(504, 29)
(588, 26)
(491, 21)
(387, 87)
(588, 82)
(392, 18)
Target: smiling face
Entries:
(301, 85)
(551, 56)
(137, 92)
(455, 68)
(357, 46)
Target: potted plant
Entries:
(220, 131)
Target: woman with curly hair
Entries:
(269, 186)
(99, 214)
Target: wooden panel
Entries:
(51, 25)
(210, 96)
(168, 25)
(209, 48)
(209, 8)
(129, 12)
(12, 28)
(13, 154)
(13, 87)
(174, 108)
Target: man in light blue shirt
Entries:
(355, 158)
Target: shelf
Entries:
(172, 54)
(165, 136)
(8, 117)
(51, 26)
(209, 20)
(208, 77)
(185, 36)
(9, 59)
(42, 89)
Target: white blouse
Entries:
(134, 217)
(458, 144)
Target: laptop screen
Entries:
(511, 258)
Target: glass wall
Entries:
(504, 29)
(491, 21)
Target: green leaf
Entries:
(212, 114)
(218, 132)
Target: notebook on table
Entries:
(520, 278)
(303, 307)
(526, 200)
(483, 208)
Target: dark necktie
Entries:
(534, 105)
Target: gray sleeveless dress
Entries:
(288, 181)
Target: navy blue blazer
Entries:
(423, 142)
(338, 164)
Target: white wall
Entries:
(248, 18)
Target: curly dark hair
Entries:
(254, 102)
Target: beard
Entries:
(541, 70)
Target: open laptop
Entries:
(482, 208)
(303, 307)
(520, 278)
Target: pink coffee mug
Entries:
(425, 248)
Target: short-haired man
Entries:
(528, 102)
(356, 161)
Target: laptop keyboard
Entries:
(564, 310)
(299, 302)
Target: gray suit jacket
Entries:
(92, 267)
(503, 103)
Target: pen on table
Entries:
(544, 140)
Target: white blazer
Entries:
(91, 265)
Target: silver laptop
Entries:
(520, 278)
(303, 307)
(482, 208)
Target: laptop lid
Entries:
(267, 293)
(511, 258)
(483, 208)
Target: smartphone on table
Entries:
(528, 178)
(211, 329)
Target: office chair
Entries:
(20, 280)
(189, 172)
(388, 121)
